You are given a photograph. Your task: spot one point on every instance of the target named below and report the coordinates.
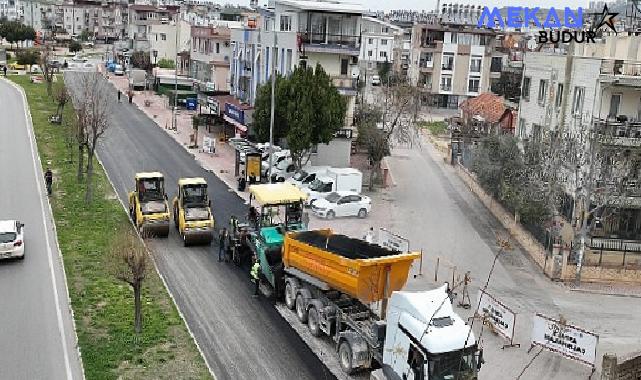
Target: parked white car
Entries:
(119, 70)
(11, 239)
(376, 80)
(342, 203)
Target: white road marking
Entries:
(61, 328)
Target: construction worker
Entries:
(119, 94)
(222, 244)
(254, 275)
(48, 180)
(369, 236)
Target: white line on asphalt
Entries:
(61, 328)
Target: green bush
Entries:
(166, 64)
(435, 127)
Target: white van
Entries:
(344, 179)
(303, 178)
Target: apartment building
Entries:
(378, 41)
(9, 9)
(141, 20)
(210, 57)
(593, 97)
(451, 63)
(306, 33)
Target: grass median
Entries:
(103, 305)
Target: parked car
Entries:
(342, 203)
(35, 69)
(118, 70)
(376, 80)
(11, 239)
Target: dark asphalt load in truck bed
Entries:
(344, 246)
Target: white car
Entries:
(342, 203)
(118, 70)
(376, 80)
(11, 239)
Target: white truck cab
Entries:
(426, 340)
(335, 179)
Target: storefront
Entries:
(237, 116)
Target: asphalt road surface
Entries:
(242, 337)
(37, 339)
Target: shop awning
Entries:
(233, 122)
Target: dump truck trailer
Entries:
(330, 281)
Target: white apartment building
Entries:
(597, 89)
(378, 39)
(141, 19)
(9, 9)
(299, 32)
(163, 42)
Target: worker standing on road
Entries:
(119, 94)
(369, 236)
(48, 180)
(5, 70)
(131, 96)
(222, 244)
(254, 275)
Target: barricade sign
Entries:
(567, 340)
(393, 241)
(498, 315)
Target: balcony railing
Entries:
(621, 133)
(620, 67)
(324, 42)
(346, 86)
(445, 87)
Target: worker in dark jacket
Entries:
(222, 244)
(254, 275)
(48, 180)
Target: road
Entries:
(37, 339)
(241, 337)
(434, 209)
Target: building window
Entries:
(525, 93)
(217, 48)
(473, 84)
(383, 42)
(453, 37)
(370, 41)
(163, 36)
(496, 64)
(475, 64)
(559, 95)
(384, 30)
(448, 61)
(536, 132)
(383, 54)
(446, 83)
(369, 53)
(344, 66)
(285, 23)
(615, 102)
(577, 102)
(522, 129)
(543, 89)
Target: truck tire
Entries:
(290, 297)
(362, 213)
(301, 311)
(313, 322)
(345, 357)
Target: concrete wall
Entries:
(335, 154)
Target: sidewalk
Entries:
(220, 163)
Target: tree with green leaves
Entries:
(28, 57)
(308, 111)
(140, 60)
(75, 46)
(14, 32)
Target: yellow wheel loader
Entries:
(192, 211)
(148, 206)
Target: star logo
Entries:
(607, 19)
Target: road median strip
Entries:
(102, 304)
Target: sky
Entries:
(431, 4)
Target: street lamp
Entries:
(155, 54)
(273, 102)
(173, 119)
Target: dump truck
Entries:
(192, 211)
(148, 204)
(331, 280)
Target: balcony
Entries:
(331, 43)
(446, 87)
(425, 65)
(618, 133)
(621, 72)
(345, 86)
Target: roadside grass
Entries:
(435, 127)
(103, 305)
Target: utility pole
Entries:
(173, 111)
(273, 102)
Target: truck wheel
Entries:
(301, 312)
(345, 357)
(290, 299)
(330, 215)
(313, 321)
(362, 213)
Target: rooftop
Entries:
(489, 106)
(325, 6)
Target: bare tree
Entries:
(92, 107)
(129, 263)
(62, 98)
(47, 70)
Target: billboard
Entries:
(567, 340)
(499, 315)
(253, 164)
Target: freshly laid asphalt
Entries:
(37, 338)
(241, 337)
